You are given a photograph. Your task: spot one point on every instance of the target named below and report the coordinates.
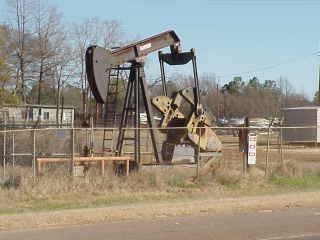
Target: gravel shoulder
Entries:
(156, 210)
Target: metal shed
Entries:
(301, 117)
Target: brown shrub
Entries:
(227, 176)
(289, 169)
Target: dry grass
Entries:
(20, 192)
(55, 190)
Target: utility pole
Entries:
(319, 77)
(218, 96)
(319, 83)
(281, 90)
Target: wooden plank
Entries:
(102, 167)
(39, 170)
(127, 167)
(41, 160)
(127, 159)
(105, 158)
(82, 159)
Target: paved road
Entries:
(296, 224)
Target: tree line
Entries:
(240, 98)
(42, 61)
(42, 57)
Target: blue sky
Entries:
(279, 38)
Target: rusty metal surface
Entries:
(100, 60)
(96, 58)
(143, 47)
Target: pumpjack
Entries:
(103, 68)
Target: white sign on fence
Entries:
(252, 148)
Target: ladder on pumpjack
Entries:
(110, 106)
(114, 77)
(127, 138)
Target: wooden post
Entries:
(127, 167)
(102, 167)
(39, 170)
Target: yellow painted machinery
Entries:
(103, 65)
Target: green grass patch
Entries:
(180, 182)
(8, 211)
(308, 180)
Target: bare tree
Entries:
(19, 19)
(84, 35)
(64, 71)
(93, 32)
(5, 68)
(48, 31)
(111, 34)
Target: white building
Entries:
(18, 116)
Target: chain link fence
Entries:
(22, 148)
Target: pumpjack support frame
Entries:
(137, 88)
(100, 61)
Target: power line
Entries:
(264, 2)
(265, 68)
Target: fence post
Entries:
(92, 137)
(4, 151)
(34, 154)
(281, 145)
(72, 153)
(245, 150)
(267, 153)
(13, 150)
(198, 156)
